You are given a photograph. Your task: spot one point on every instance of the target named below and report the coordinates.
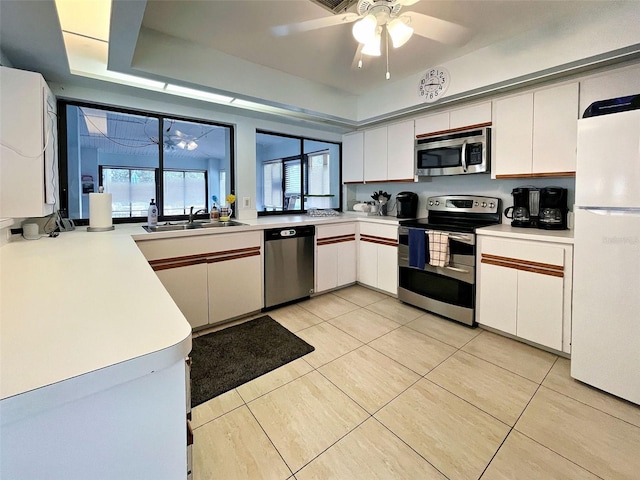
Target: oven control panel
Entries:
(463, 204)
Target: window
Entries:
(131, 190)
(296, 174)
(183, 190)
(137, 156)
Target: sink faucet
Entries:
(191, 214)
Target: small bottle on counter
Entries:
(215, 214)
(152, 215)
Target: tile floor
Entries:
(392, 392)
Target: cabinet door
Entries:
(513, 135)
(346, 263)
(555, 129)
(387, 275)
(188, 288)
(368, 263)
(472, 115)
(375, 154)
(327, 267)
(235, 288)
(353, 157)
(432, 123)
(400, 157)
(497, 297)
(540, 309)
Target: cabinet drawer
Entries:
(524, 250)
(201, 245)
(330, 231)
(389, 232)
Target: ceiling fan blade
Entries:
(316, 23)
(437, 29)
(407, 3)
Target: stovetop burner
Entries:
(458, 213)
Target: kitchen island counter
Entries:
(92, 360)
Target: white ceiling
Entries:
(227, 46)
(243, 29)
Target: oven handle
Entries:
(455, 269)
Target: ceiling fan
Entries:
(374, 17)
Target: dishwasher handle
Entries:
(292, 232)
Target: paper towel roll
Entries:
(100, 212)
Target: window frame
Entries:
(161, 117)
(304, 159)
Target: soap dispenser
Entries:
(152, 215)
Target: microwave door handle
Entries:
(464, 156)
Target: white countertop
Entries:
(261, 223)
(80, 303)
(86, 302)
(507, 231)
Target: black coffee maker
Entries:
(553, 208)
(524, 209)
(407, 205)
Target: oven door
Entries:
(447, 291)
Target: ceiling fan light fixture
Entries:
(192, 145)
(372, 48)
(399, 31)
(364, 31)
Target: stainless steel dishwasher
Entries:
(288, 264)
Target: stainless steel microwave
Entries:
(458, 152)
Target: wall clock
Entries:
(434, 84)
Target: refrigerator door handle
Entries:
(612, 210)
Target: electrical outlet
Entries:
(246, 202)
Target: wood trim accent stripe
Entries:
(454, 130)
(536, 175)
(235, 254)
(379, 240)
(524, 265)
(337, 239)
(212, 257)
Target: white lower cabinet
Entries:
(378, 256)
(524, 289)
(187, 286)
(212, 278)
(335, 256)
(235, 287)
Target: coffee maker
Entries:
(407, 205)
(525, 207)
(553, 208)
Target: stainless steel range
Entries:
(437, 255)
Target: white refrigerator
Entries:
(605, 348)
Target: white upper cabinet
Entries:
(353, 157)
(477, 114)
(535, 133)
(28, 151)
(400, 142)
(375, 154)
(555, 129)
(513, 135)
(388, 153)
(437, 122)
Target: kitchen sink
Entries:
(168, 227)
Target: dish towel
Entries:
(438, 249)
(417, 248)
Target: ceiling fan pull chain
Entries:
(388, 76)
